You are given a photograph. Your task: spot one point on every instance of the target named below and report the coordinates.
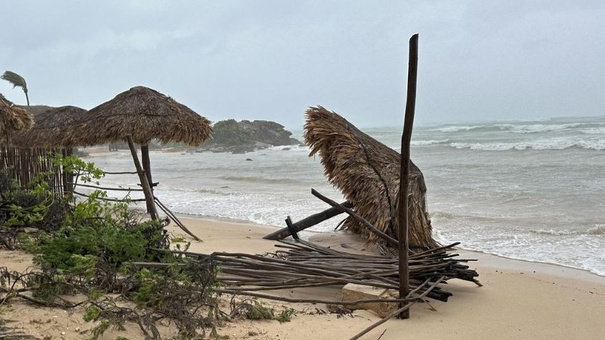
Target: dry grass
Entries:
(13, 118)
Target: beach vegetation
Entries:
(96, 248)
(255, 310)
(286, 315)
(177, 239)
(28, 212)
(34, 209)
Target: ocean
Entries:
(531, 190)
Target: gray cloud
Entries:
(479, 60)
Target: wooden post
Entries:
(68, 177)
(144, 180)
(404, 274)
(146, 162)
(147, 168)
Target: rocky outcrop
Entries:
(245, 136)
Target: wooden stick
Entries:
(110, 199)
(303, 300)
(363, 221)
(174, 218)
(308, 222)
(104, 188)
(403, 247)
(395, 313)
(119, 172)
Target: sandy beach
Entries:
(518, 300)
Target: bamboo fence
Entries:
(25, 164)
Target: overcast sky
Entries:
(271, 59)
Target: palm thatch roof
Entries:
(367, 173)
(36, 109)
(144, 114)
(13, 118)
(50, 130)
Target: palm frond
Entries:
(16, 80)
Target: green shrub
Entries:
(93, 248)
(98, 239)
(35, 209)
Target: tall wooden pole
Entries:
(404, 274)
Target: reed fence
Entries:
(24, 165)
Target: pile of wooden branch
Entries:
(302, 264)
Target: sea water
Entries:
(527, 190)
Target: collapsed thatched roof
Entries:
(51, 127)
(144, 114)
(367, 173)
(13, 118)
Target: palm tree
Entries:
(16, 80)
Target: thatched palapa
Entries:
(144, 114)
(367, 173)
(140, 115)
(51, 128)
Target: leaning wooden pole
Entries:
(308, 222)
(146, 162)
(144, 181)
(404, 274)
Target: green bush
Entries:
(35, 209)
(93, 248)
(98, 239)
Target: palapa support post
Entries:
(67, 177)
(146, 163)
(147, 169)
(144, 180)
(404, 274)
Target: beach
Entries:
(525, 190)
(518, 299)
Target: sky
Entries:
(272, 59)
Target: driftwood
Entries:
(307, 222)
(391, 241)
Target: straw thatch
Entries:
(367, 173)
(144, 114)
(13, 118)
(36, 109)
(50, 128)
